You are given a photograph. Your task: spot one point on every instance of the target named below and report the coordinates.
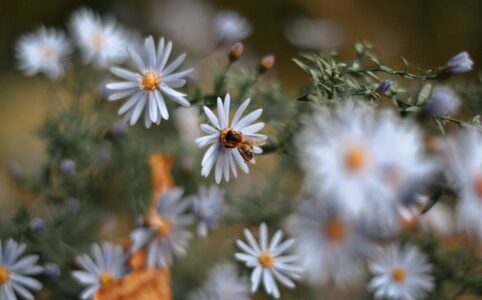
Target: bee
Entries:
(231, 138)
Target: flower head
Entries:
(331, 246)
(208, 204)
(44, 50)
(384, 86)
(460, 63)
(15, 271)
(164, 233)
(106, 267)
(223, 283)
(401, 273)
(230, 26)
(230, 143)
(443, 102)
(146, 87)
(100, 41)
(268, 260)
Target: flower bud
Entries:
(67, 167)
(266, 63)
(52, 271)
(118, 130)
(236, 52)
(72, 205)
(36, 225)
(460, 63)
(384, 86)
(442, 102)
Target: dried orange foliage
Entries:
(142, 283)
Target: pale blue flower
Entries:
(208, 204)
(460, 63)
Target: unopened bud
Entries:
(118, 130)
(36, 225)
(384, 86)
(460, 63)
(266, 63)
(67, 167)
(52, 271)
(443, 102)
(236, 52)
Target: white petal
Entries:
(263, 236)
(125, 74)
(239, 112)
(137, 60)
(248, 119)
(124, 85)
(212, 118)
(174, 65)
(130, 103)
(162, 105)
(138, 110)
(253, 128)
(151, 52)
(175, 95)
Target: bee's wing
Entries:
(257, 141)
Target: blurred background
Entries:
(427, 33)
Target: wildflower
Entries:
(44, 50)
(223, 283)
(67, 167)
(208, 204)
(331, 246)
(52, 271)
(384, 86)
(460, 63)
(230, 26)
(268, 261)
(105, 268)
(102, 42)
(230, 145)
(443, 102)
(401, 273)
(15, 271)
(36, 225)
(464, 170)
(164, 233)
(146, 86)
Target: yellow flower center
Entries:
(164, 228)
(106, 279)
(399, 274)
(4, 275)
(150, 81)
(335, 230)
(266, 260)
(355, 158)
(478, 185)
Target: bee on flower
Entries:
(105, 267)
(152, 80)
(231, 144)
(16, 270)
(400, 273)
(269, 260)
(164, 233)
(44, 51)
(102, 42)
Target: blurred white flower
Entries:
(208, 204)
(268, 261)
(401, 273)
(230, 26)
(106, 267)
(443, 102)
(331, 247)
(230, 144)
(464, 155)
(145, 86)
(15, 271)
(164, 233)
(439, 220)
(460, 63)
(187, 122)
(363, 160)
(102, 42)
(314, 34)
(223, 284)
(45, 50)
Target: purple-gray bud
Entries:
(52, 271)
(36, 225)
(460, 63)
(67, 167)
(442, 102)
(384, 86)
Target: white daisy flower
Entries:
(106, 267)
(401, 273)
(164, 233)
(100, 41)
(152, 79)
(223, 283)
(361, 159)
(230, 26)
(268, 261)
(45, 50)
(208, 204)
(15, 271)
(331, 247)
(464, 155)
(230, 145)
